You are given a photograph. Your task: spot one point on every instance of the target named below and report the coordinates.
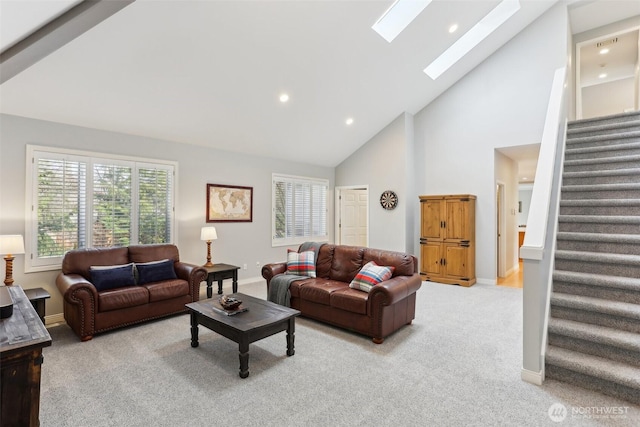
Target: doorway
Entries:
(352, 216)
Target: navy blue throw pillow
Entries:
(155, 271)
(112, 276)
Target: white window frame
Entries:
(32, 262)
(289, 241)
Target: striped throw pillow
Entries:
(370, 275)
(301, 264)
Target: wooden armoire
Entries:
(448, 239)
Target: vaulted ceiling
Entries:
(211, 72)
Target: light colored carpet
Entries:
(457, 364)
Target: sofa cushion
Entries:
(350, 300)
(346, 263)
(320, 290)
(147, 253)
(370, 275)
(167, 289)
(115, 299)
(405, 264)
(301, 264)
(112, 276)
(155, 271)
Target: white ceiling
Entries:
(210, 72)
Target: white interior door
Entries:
(353, 217)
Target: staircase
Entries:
(594, 329)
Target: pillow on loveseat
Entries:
(301, 264)
(370, 275)
(106, 277)
(155, 271)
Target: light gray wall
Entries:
(609, 98)
(500, 103)
(524, 196)
(237, 244)
(381, 164)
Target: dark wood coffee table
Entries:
(262, 319)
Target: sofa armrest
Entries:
(270, 270)
(395, 289)
(193, 274)
(81, 303)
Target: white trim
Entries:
(54, 318)
(336, 224)
(32, 263)
(532, 377)
(484, 281)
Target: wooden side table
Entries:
(24, 336)
(218, 273)
(38, 297)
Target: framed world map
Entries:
(229, 203)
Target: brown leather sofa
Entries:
(386, 308)
(89, 311)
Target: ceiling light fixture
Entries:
(602, 76)
(349, 121)
(284, 97)
(453, 28)
(494, 19)
(604, 51)
(397, 17)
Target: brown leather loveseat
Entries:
(161, 286)
(387, 307)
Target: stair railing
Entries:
(538, 249)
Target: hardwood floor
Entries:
(512, 281)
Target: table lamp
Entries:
(10, 245)
(208, 234)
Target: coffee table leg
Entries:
(291, 329)
(194, 330)
(244, 358)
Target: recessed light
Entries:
(604, 51)
(524, 178)
(602, 76)
(453, 28)
(284, 97)
(397, 17)
(487, 25)
(349, 121)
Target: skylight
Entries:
(397, 17)
(498, 16)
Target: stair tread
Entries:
(598, 237)
(630, 115)
(600, 202)
(621, 186)
(571, 130)
(598, 305)
(601, 148)
(630, 283)
(595, 333)
(601, 219)
(607, 136)
(594, 366)
(604, 172)
(598, 160)
(598, 257)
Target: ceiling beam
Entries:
(52, 36)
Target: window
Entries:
(82, 200)
(299, 210)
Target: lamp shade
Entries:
(208, 233)
(11, 244)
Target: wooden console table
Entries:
(22, 337)
(218, 273)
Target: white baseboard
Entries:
(482, 281)
(531, 376)
(513, 269)
(54, 318)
